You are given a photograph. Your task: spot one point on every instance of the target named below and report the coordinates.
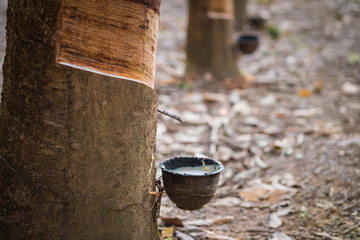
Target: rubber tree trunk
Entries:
(210, 45)
(88, 136)
(240, 13)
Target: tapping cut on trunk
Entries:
(220, 9)
(114, 38)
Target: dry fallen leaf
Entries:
(282, 113)
(167, 232)
(276, 196)
(200, 222)
(210, 97)
(271, 130)
(325, 205)
(262, 190)
(248, 196)
(172, 221)
(309, 112)
(259, 162)
(248, 77)
(349, 88)
(274, 221)
(285, 145)
(280, 236)
(224, 111)
(222, 220)
(182, 236)
(212, 236)
(272, 193)
(284, 211)
(257, 191)
(329, 129)
(210, 222)
(269, 99)
(246, 174)
(304, 93)
(224, 153)
(242, 107)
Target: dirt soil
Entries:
(290, 143)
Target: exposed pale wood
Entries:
(116, 38)
(223, 9)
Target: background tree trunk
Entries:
(84, 134)
(240, 13)
(210, 45)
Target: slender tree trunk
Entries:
(82, 133)
(210, 45)
(240, 13)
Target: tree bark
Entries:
(240, 13)
(82, 133)
(210, 46)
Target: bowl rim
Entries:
(249, 37)
(221, 166)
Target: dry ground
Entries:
(291, 144)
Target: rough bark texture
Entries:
(84, 134)
(117, 38)
(210, 46)
(240, 13)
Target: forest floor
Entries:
(290, 143)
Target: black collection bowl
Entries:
(188, 191)
(248, 44)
